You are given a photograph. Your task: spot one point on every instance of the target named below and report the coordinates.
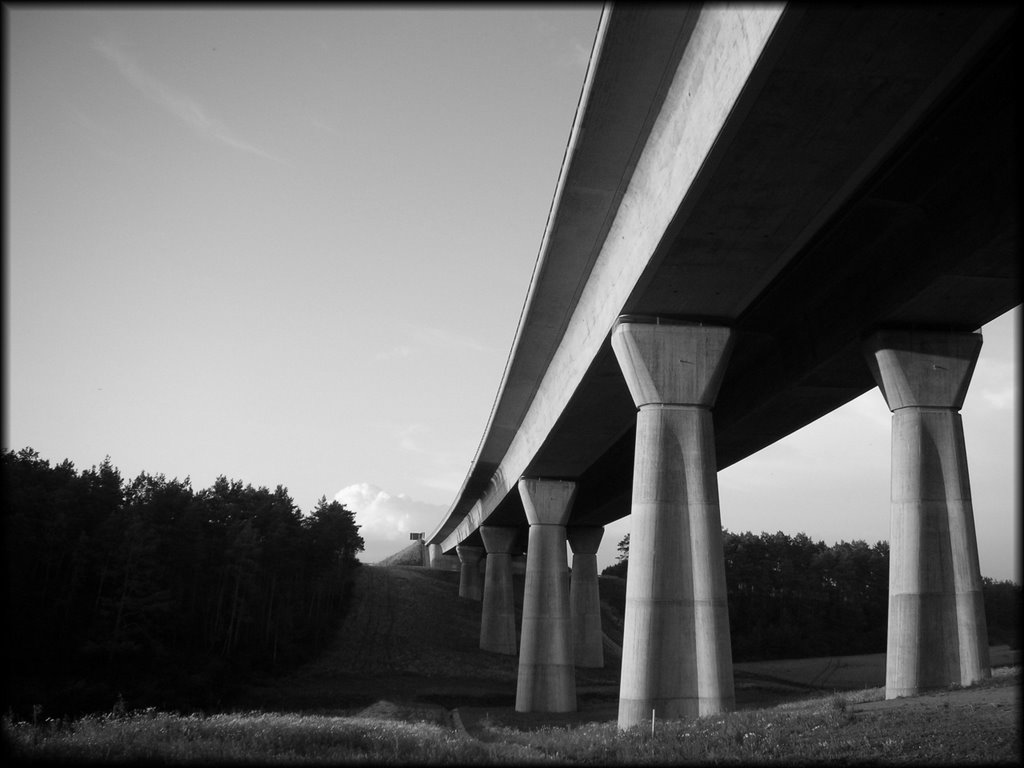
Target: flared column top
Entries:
(585, 539)
(468, 554)
(499, 540)
(671, 361)
(925, 369)
(547, 501)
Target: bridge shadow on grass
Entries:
(409, 641)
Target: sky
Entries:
(291, 247)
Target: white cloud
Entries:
(400, 352)
(407, 440)
(447, 480)
(445, 469)
(576, 57)
(181, 106)
(438, 338)
(386, 520)
(422, 340)
(1000, 399)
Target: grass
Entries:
(240, 737)
(835, 728)
(393, 649)
(821, 729)
(766, 735)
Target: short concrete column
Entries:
(434, 555)
(498, 622)
(676, 656)
(470, 581)
(585, 598)
(936, 634)
(547, 680)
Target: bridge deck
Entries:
(803, 176)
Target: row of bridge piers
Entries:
(676, 657)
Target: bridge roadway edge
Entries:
(619, 265)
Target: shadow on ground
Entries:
(409, 649)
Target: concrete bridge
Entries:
(762, 213)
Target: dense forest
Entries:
(791, 597)
(159, 593)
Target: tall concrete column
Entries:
(587, 637)
(498, 622)
(547, 679)
(936, 634)
(470, 581)
(676, 656)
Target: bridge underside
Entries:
(823, 218)
(792, 207)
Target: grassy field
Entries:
(976, 725)
(406, 683)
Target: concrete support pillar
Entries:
(584, 597)
(470, 580)
(434, 555)
(498, 622)
(676, 656)
(547, 679)
(936, 634)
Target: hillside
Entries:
(409, 637)
(409, 640)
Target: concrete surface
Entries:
(936, 629)
(676, 656)
(585, 598)
(681, 193)
(547, 678)
(498, 619)
(470, 580)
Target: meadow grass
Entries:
(823, 730)
(748, 736)
(826, 728)
(241, 737)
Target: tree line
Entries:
(157, 592)
(791, 597)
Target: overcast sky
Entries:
(291, 247)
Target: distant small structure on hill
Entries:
(414, 554)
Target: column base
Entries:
(546, 688)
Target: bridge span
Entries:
(762, 213)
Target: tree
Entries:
(335, 533)
(157, 591)
(1002, 611)
(790, 596)
(621, 560)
